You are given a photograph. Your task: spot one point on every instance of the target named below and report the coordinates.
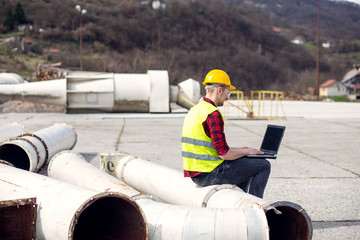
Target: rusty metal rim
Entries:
(42, 141)
(215, 189)
(18, 202)
(6, 162)
(59, 154)
(271, 205)
(32, 144)
(93, 199)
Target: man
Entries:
(207, 158)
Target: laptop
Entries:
(271, 142)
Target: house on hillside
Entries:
(54, 51)
(332, 88)
(298, 40)
(277, 30)
(327, 44)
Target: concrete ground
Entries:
(318, 166)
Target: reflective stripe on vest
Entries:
(197, 142)
(197, 149)
(200, 156)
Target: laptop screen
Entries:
(272, 138)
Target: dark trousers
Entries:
(240, 172)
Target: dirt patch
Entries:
(28, 107)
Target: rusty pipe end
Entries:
(19, 156)
(288, 220)
(108, 215)
(6, 163)
(15, 213)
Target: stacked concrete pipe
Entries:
(67, 212)
(286, 220)
(32, 151)
(165, 221)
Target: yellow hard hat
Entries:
(218, 76)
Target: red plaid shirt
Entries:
(214, 128)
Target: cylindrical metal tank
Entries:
(165, 221)
(49, 92)
(170, 186)
(31, 151)
(107, 92)
(10, 78)
(67, 211)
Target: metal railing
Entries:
(261, 105)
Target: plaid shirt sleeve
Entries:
(214, 128)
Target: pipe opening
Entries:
(292, 223)
(110, 218)
(15, 155)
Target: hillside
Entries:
(188, 38)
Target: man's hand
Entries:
(238, 152)
(252, 151)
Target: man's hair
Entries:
(214, 85)
(211, 87)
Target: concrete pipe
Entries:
(107, 92)
(32, 151)
(168, 221)
(49, 92)
(186, 93)
(11, 130)
(165, 221)
(72, 167)
(69, 212)
(170, 186)
(10, 78)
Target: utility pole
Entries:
(317, 51)
(82, 11)
(41, 31)
(158, 6)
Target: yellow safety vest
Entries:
(198, 151)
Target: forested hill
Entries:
(188, 38)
